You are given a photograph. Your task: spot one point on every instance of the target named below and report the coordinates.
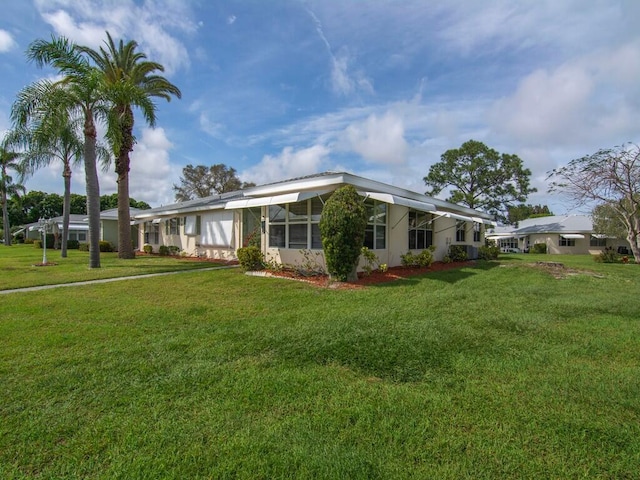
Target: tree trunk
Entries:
(93, 190)
(125, 247)
(633, 237)
(66, 207)
(6, 229)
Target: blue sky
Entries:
(283, 88)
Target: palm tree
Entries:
(8, 161)
(131, 82)
(47, 135)
(81, 91)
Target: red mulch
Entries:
(376, 277)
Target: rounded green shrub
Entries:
(105, 246)
(539, 248)
(147, 248)
(163, 250)
(342, 226)
(73, 244)
(250, 258)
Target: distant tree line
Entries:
(32, 206)
(202, 181)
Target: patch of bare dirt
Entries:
(376, 277)
(559, 270)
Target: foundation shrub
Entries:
(342, 227)
(539, 248)
(106, 246)
(250, 258)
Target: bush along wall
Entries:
(342, 226)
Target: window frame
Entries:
(287, 222)
(372, 238)
(461, 231)
(566, 242)
(597, 242)
(425, 227)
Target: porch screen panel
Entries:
(217, 229)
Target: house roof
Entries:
(562, 224)
(112, 213)
(320, 183)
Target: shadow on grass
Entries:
(449, 276)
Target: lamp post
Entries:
(43, 229)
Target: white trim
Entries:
(272, 200)
(453, 215)
(155, 221)
(571, 235)
(397, 200)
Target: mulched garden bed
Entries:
(376, 277)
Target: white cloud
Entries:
(547, 107)
(231, 19)
(344, 82)
(289, 163)
(85, 22)
(379, 139)
(6, 41)
(152, 174)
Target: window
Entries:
(420, 230)
(477, 231)
(192, 225)
(171, 226)
(252, 226)
(375, 235)
(151, 233)
(567, 242)
(598, 241)
(461, 232)
(82, 236)
(295, 225)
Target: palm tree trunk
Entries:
(93, 189)
(6, 229)
(125, 247)
(66, 207)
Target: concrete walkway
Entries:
(107, 280)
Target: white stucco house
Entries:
(566, 234)
(283, 217)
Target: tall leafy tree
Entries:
(131, 81)
(81, 91)
(49, 134)
(9, 160)
(522, 212)
(202, 181)
(481, 178)
(608, 177)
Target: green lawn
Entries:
(496, 371)
(17, 266)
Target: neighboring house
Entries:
(109, 226)
(78, 228)
(282, 219)
(560, 233)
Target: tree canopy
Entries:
(609, 178)
(481, 178)
(521, 212)
(202, 181)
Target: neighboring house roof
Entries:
(298, 189)
(76, 222)
(562, 224)
(112, 213)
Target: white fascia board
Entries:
(453, 215)
(571, 235)
(398, 200)
(273, 200)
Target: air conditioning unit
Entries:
(472, 252)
